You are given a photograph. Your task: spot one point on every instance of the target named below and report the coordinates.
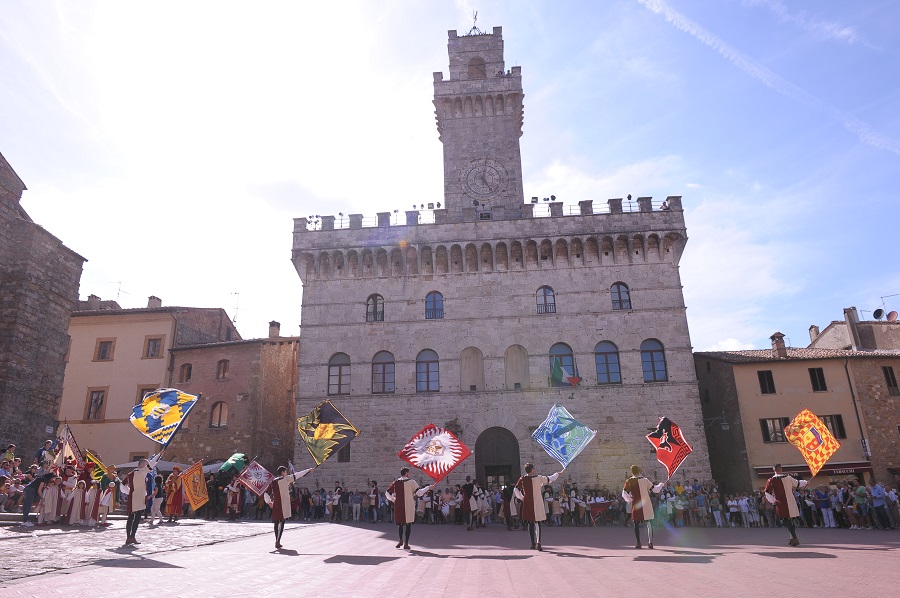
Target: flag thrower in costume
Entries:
(325, 431)
(671, 447)
(435, 451)
(194, 485)
(161, 413)
(563, 436)
(812, 438)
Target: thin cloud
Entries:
(823, 29)
(861, 129)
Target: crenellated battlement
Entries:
(615, 237)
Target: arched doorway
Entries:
(497, 457)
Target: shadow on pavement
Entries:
(285, 552)
(692, 559)
(478, 557)
(797, 555)
(360, 559)
(136, 563)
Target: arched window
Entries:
(476, 69)
(471, 369)
(562, 366)
(185, 372)
(546, 300)
(606, 356)
(434, 306)
(222, 369)
(375, 308)
(218, 415)
(427, 372)
(383, 373)
(653, 361)
(621, 298)
(339, 374)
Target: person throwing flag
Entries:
(401, 493)
(280, 500)
(780, 492)
(637, 492)
(528, 490)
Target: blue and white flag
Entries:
(563, 436)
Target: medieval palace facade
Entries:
(457, 316)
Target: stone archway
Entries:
(497, 457)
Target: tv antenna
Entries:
(237, 303)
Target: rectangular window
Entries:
(382, 378)
(95, 403)
(339, 380)
(766, 382)
(344, 454)
(104, 349)
(817, 377)
(143, 390)
(222, 369)
(153, 347)
(773, 429)
(891, 381)
(835, 425)
(427, 376)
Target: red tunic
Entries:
(532, 501)
(404, 491)
(782, 487)
(641, 507)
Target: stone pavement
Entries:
(194, 559)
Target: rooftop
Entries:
(767, 355)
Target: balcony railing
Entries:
(546, 308)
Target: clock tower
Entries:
(479, 114)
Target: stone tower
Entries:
(458, 316)
(479, 117)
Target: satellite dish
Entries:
(892, 316)
(878, 314)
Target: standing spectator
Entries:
(715, 507)
(768, 512)
(879, 495)
(860, 500)
(744, 506)
(373, 502)
(157, 496)
(44, 456)
(753, 503)
(355, 504)
(822, 498)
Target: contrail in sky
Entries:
(862, 130)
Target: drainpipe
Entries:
(862, 434)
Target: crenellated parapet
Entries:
(413, 249)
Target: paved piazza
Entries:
(197, 558)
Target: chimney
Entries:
(813, 333)
(778, 348)
(93, 302)
(274, 329)
(851, 317)
(154, 302)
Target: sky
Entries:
(172, 143)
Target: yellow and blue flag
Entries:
(161, 412)
(99, 469)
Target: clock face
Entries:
(484, 178)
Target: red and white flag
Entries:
(435, 451)
(256, 478)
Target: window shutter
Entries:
(839, 426)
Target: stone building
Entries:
(116, 356)
(457, 316)
(748, 398)
(855, 334)
(39, 279)
(248, 390)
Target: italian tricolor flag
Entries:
(559, 374)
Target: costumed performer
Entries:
(528, 490)
(401, 492)
(174, 497)
(780, 492)
(637, 492)
(135, 487)
(280, 500)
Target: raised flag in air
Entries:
(161, 412)
(325, 431)
(68, 451)
(671, 447)
(560, 376)
(256, 478)
(812, 438)
(194, 485)
(563, 436)
(435, 451)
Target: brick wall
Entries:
(881, 414)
